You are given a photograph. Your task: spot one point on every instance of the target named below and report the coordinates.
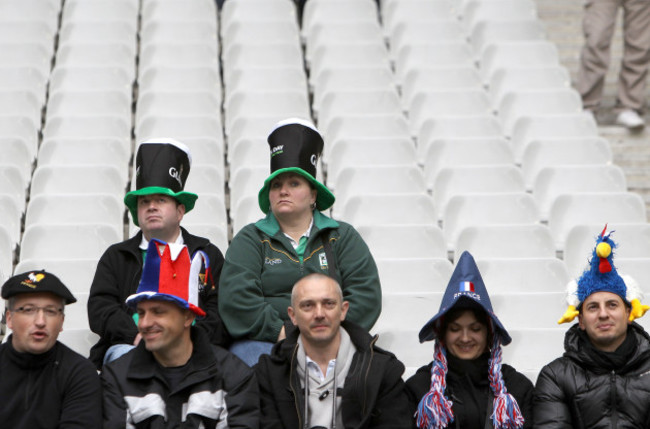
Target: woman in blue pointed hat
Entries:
(466, 385)
(267, 257)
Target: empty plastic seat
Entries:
(180, 127)
(78, 179)
(533, 348)
(246, 181)
(32, 55)
(101, 11)
(257, 9)
(205, 149)
(506, 241)
(12, 182)
(71, 209)
(157, 31)
(475, 11)
(379, 179)
(182, 79)
(409, 12)
(79, 340)
(439, 78)
(524, 78)
(346, 79)
(451, 181)
(216, 233)
(79, 78)
(514, 54)
(20, 128)
(94, 151)
(541, 127)
(425, 29)
(327, 33)
(639, 269)
(534, 310)
(31, 11)
(362, 102)
(532, 103)
(570, 210)
(368, 151)
(404, 241)
(98, 55)
(450, 152)
(556, 152)
(246, 211)
(6, 253)
(415, 308)
(460, 102)
(523, 275)
(465, 210)
(432, 54)
(487, 32)
(189, 54)
(76, 274)
(367, 54)
(88, 126)
(415, 275)
(90, 103)
(206, 178)
(633, 241)
(456, 127)
(23, 79)
(82, 241)
(99, 32)
(21, 103)
(283, 104)
(11, 216)
(266, 79)
(316, 12)
(17, 153)
(180, 11)
(242, 56)
(209, 209)
(260, 32)
(406, 345)
(387, 209)
(551, 182)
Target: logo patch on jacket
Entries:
(272, 261)
(322, 258)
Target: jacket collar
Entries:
(270, 226)
(201, 365)
(132, 245)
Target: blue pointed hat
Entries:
(465, 289)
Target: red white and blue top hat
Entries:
(169, 275)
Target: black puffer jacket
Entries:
(575, 392)
(469, 389)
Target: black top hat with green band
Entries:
(162, 167)
(295, 148)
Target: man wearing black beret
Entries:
(43, 383)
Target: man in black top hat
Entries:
(157, 206)
(43, 383)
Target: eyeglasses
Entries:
(32, 310)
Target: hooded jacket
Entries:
(373, 394)
(217, 391)
(262, 266)
(574, 391)
(118, 275)
(58, 389)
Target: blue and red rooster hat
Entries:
(170, 275)
(602, 276)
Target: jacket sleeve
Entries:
(241, 297)
(107, 313)
(550, 404)
(242, 394)
(115, 409)
(359, 277)
(81, 403)
(270, 414)
(212, 324)
(392, 409)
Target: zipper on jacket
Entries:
(613, 399)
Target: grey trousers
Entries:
(598, 26)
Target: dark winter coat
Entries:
(218, 390)
(117, 277)
(574, 391)
(469, 390)
(373, 393)
(59, 389)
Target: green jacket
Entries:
(262, 266)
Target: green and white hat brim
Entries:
(324, 197)
(188, 199)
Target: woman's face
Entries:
(291, 195)
(466, 337)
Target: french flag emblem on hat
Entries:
(170, 275)
(466, 287)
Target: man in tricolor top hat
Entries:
(603, 378)
(43, 383)
(157, 206)
(175, 377)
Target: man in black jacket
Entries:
(175, 377)
(602, 380)
(350, 382)
(157, 206)
(43, 383)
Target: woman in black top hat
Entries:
(267, 257)
(466, 385)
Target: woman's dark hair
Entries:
(457, 311)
